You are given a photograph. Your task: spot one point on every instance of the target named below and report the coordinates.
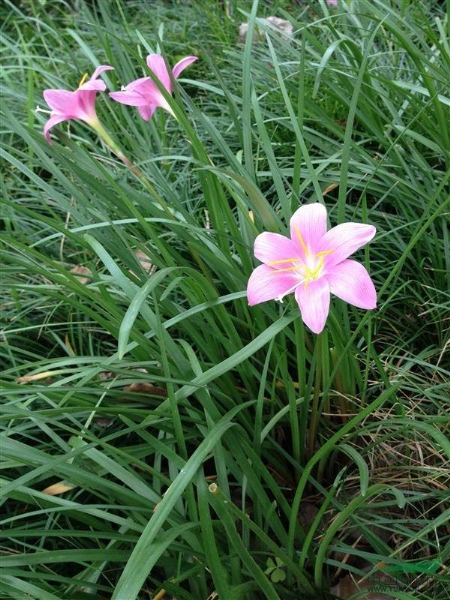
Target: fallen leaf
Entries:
(58, 488)
(144, 259)
(146, 388)
(83, 273)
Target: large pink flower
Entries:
(75, 105)
(144, 93)
(313, 263)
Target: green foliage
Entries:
(158, 433)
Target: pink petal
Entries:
(148, 89)
(157, 65)
(138, 84)
(146, 111)
(54, 120)
(92, 85)
(86, 103)
(344, 240)
(350, 281)
(99, 70)
(308, 225)
(266, 284)
(62, 101)
(275, 247)
(130, 98)
(141, 92)
(314, 303)
(182, 64)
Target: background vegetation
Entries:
(161, 439)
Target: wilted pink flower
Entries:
(144, 92)
(75, 105)
(313, 264)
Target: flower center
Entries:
(308, 269)
(314, 271)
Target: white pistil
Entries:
(289, 291)
(38, 109)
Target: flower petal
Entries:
(314, 303)
(308, 225)
(62, 101)
(128, 98)
(99, 70)
(350, 281)
(148, 90)
(345, 239)
(86, 104)
(157, 65)
(142, 92)
(275, 247)
(146, 111)
(266, 284)
(182, 64)
(142, 84)
(54, 120)
(96, 85)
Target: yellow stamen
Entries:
(282, 260)
(324, 252)
(83, 79)
(287, 269)
(301, 240)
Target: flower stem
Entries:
(111, 144)
(314, 419)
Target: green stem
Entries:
(295, 425)
(111, 144)
(303, 387)
(314, 419)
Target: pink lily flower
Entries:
(144, 93)
(313, 263)
(80, 104)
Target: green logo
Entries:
(421, 566)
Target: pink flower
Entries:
(332, 2)
(144, 92)
(313, 263)
(75, 105)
